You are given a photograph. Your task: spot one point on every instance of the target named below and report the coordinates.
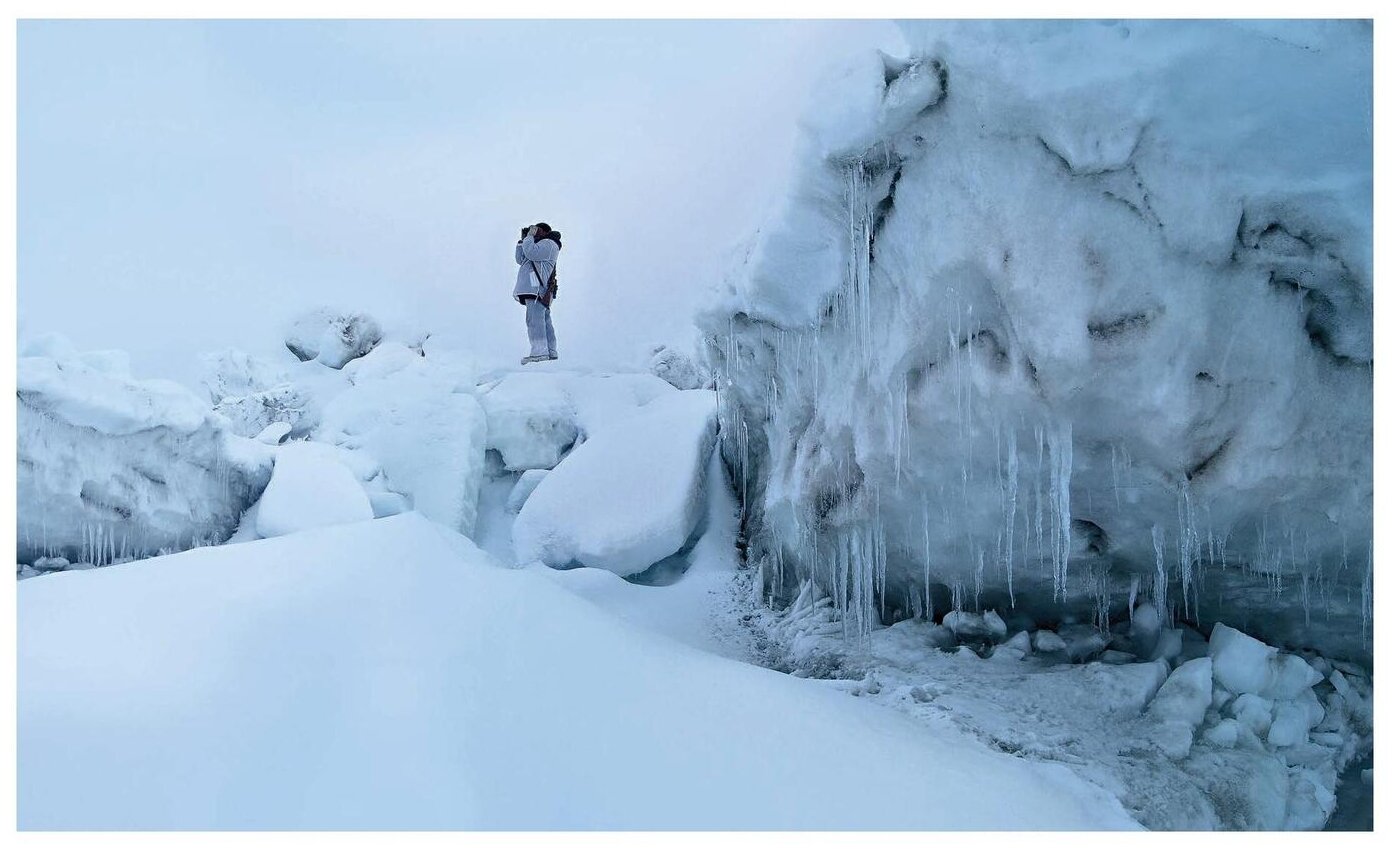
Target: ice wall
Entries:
(113, 468)
(1062, 315)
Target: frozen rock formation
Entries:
(629, 497)
(112, 468)
(1057, 319)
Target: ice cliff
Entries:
(113, 468)
(1063, 317)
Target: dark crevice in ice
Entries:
(1203, 466)
(1106, 330)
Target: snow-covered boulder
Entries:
(531, 422)
(536, 417)
(1048, 641)
(110, 467)
(1047, 297)
(1244, 664)
(523, 488)
(331, 337)
(969, 627)
(630, 496)
(1180, 705)
(428, 438)
(676, 367)
(310, 488)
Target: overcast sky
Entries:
(188, 186)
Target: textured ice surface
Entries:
(332, 337)
(1056, 318)
(1178, 749)
(630, 496)
(111, 468)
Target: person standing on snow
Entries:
(536, 285)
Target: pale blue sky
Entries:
(186, 186)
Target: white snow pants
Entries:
(539, 320)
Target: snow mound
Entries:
(404, 413)
(111, 468)
(332, 338)
(310, 488)
(632, 495)
(280, 684)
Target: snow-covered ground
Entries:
(326, 669)
(1027, 485)
(390, 675)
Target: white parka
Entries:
(544, 255)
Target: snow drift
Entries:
(1061, 315)
(281, 684)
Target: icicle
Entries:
(1011, 494)
(1366, 597)
(1060, 475)
(1157, 538)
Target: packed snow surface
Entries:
(389, 675)
(630, 496)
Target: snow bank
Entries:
(310, 488)
(630, 496)
(1054, 313)
(257, 686)
(110, 467)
